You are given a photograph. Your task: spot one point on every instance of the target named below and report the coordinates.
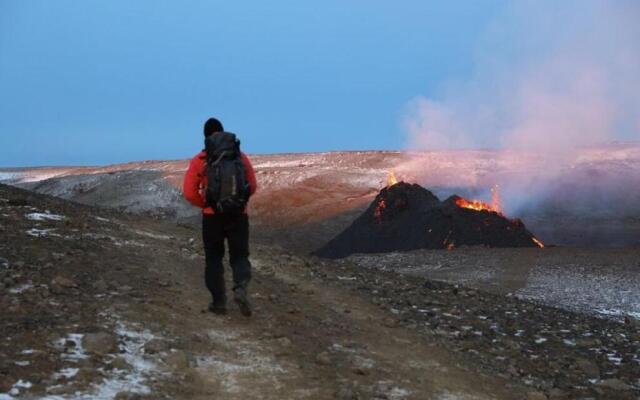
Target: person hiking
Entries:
(220, 180)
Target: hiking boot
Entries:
(218, 308)
(241, 299)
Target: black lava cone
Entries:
(408, 217)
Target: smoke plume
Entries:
(548, 77)
(553, 85)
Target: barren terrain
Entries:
(103, 305)
(103, 295)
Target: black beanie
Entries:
(212, 126)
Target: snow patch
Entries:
(605, 294)
(618, 313)
(21, 288)
(129, 243)
(67, 373)
(71, 347)
(22, 363)
(239, 370)
(132, 342)
(16, 390)
(246, 367)
(41, 233)
(153, 235)
(9, 176)
(45, 216)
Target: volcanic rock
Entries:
(407, 217)
(323, 358)
(177, 360)
(99, 343)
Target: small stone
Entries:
(100, 285)
(556, 393)
(4, 263)
(536, 396)
(44, 292)
(127, 396)
(633, 322)
(590, 368)
(100, 343)
(177, 360)
(121, 364)
(284, 341)
(615, 384)
(64, 282)
(588, 342)
(87, 373)
(156, 346)
(60, 284)
(323, 358)
(57, 390)
(345, 393)
(390, 322)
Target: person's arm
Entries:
(192, 181)
(250, 174)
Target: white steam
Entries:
(549, 77)
(551, 84)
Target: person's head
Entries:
(212, 126)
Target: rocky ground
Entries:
(561, 353)
(598, 281)
(100, 304)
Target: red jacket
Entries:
(195, 180)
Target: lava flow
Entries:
(475, 205)
(537, 242)
(377, 213)
(479, 205)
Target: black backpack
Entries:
(227, 188)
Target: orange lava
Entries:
(475, 205)
(538, 243)
(377, 213)
(391, 178)
(478, 205)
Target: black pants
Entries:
(215, 229)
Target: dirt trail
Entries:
(102, 305)
(307, 340)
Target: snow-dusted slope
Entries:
(559, 196)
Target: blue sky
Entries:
(96, 82)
